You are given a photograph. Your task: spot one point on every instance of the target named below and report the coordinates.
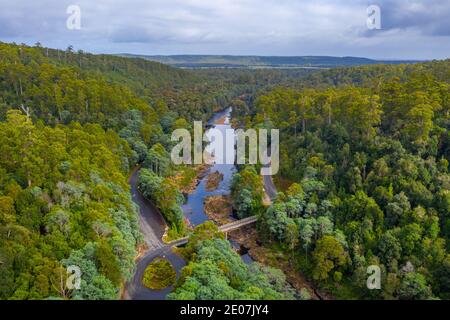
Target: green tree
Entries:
(414, 287)
(107, 262)
(328, 255)
(292, 235)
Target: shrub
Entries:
(159, 274)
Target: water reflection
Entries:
(193, 208)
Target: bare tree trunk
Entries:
(61, 287)
(26, 110)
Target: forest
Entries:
(73, 126)
(363, 174)
(216, 272)
(71, 130)
(365, 151)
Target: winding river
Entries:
(153, 226)
(193, 208)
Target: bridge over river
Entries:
(224, 228)
(135, 289)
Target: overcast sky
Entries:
(410, 29)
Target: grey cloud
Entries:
(275, 27)
(137, 34)
(27, 18)
(425, 17)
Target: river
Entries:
(193, 208)
(152, 223)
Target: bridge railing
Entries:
(226, 227)
(238, 223)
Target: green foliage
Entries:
(107, 262)
(166, 196)
(414, 287)
(369, 147)
(63, 187)
(205, 231)
(159, 274)
(247, 192)
(64, 198)
(93, 286)
(63, 166)
(63, 86)
(158, 160)
(328, 255)
(216, 272)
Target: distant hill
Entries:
(254, 62)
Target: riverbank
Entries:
(213, 180)
(219, 209)
(188, 178)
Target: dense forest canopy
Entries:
(89, 87)
(216, 272)
(64, 201)
(367, 152)
(73, 125)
